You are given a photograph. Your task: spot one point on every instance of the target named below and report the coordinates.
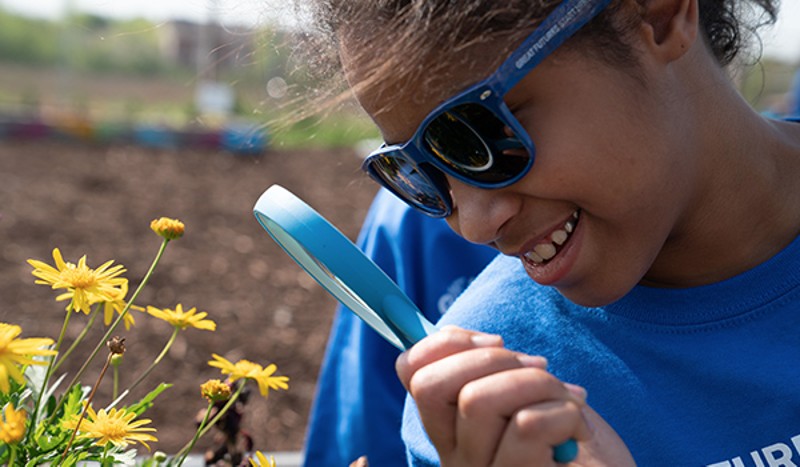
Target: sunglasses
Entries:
(473, 136)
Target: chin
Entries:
(592, 298)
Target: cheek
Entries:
(618, 248)
(602, 164)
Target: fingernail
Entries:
(578, 391)
(533, 361)
(486, 340)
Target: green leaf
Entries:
(43, 459)
(48, 442)
(73, 404)
(147, 401)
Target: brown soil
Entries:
(98, 201)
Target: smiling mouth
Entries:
(548, 248)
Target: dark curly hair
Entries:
(404, 39)
(726, 31)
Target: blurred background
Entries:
(116, 112)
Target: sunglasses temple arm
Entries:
(557, 27)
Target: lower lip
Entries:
(555, 270)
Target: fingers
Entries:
(481, 403)
(435, 371)
(549, 424)
(448, 341)
(518, 406)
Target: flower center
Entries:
(79, 278)
(115, 429)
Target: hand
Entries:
(482, 405)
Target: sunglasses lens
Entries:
(474, 142)
(411, 184)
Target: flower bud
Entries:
(167, 228)
(116, 360)
(215, 390)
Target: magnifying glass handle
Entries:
(565, 452)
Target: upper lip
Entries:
(534, 240)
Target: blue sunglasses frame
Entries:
(557, 27)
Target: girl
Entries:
(647, 215)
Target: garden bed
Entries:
(99, 200)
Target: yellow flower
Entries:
(248, 370)
(12, 429)
(115, 426)
(15, 352)
(167, 228)
(183, 319)
(215, 390)
(118, 304)
(262, 461)
(85, 286)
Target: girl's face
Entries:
(612, 180)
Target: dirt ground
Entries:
(99, 200)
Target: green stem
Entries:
(231, 401)
(13, 455)
(113, 325)
(116, 382)
(86, 407)
(63, 330)
(196, 434)
(47, 374)
(158, 359)
(104, 458)
(79, 338)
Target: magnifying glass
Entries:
(340, 267)
(350, 276)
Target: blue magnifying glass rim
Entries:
(340, 267)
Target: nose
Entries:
(479, 214)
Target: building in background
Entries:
(208, 48)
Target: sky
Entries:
(781, 42)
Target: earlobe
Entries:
(670, 27)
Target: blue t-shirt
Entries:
(359, 401)
(703, 376)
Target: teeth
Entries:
(534, 257)
(559, 237)
(546, 251)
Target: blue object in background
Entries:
(793, 108)
(244, 138)
(155, 136)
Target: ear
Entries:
(670, 27)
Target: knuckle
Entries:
(422, 385)
(472, 401)
(529, 423)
